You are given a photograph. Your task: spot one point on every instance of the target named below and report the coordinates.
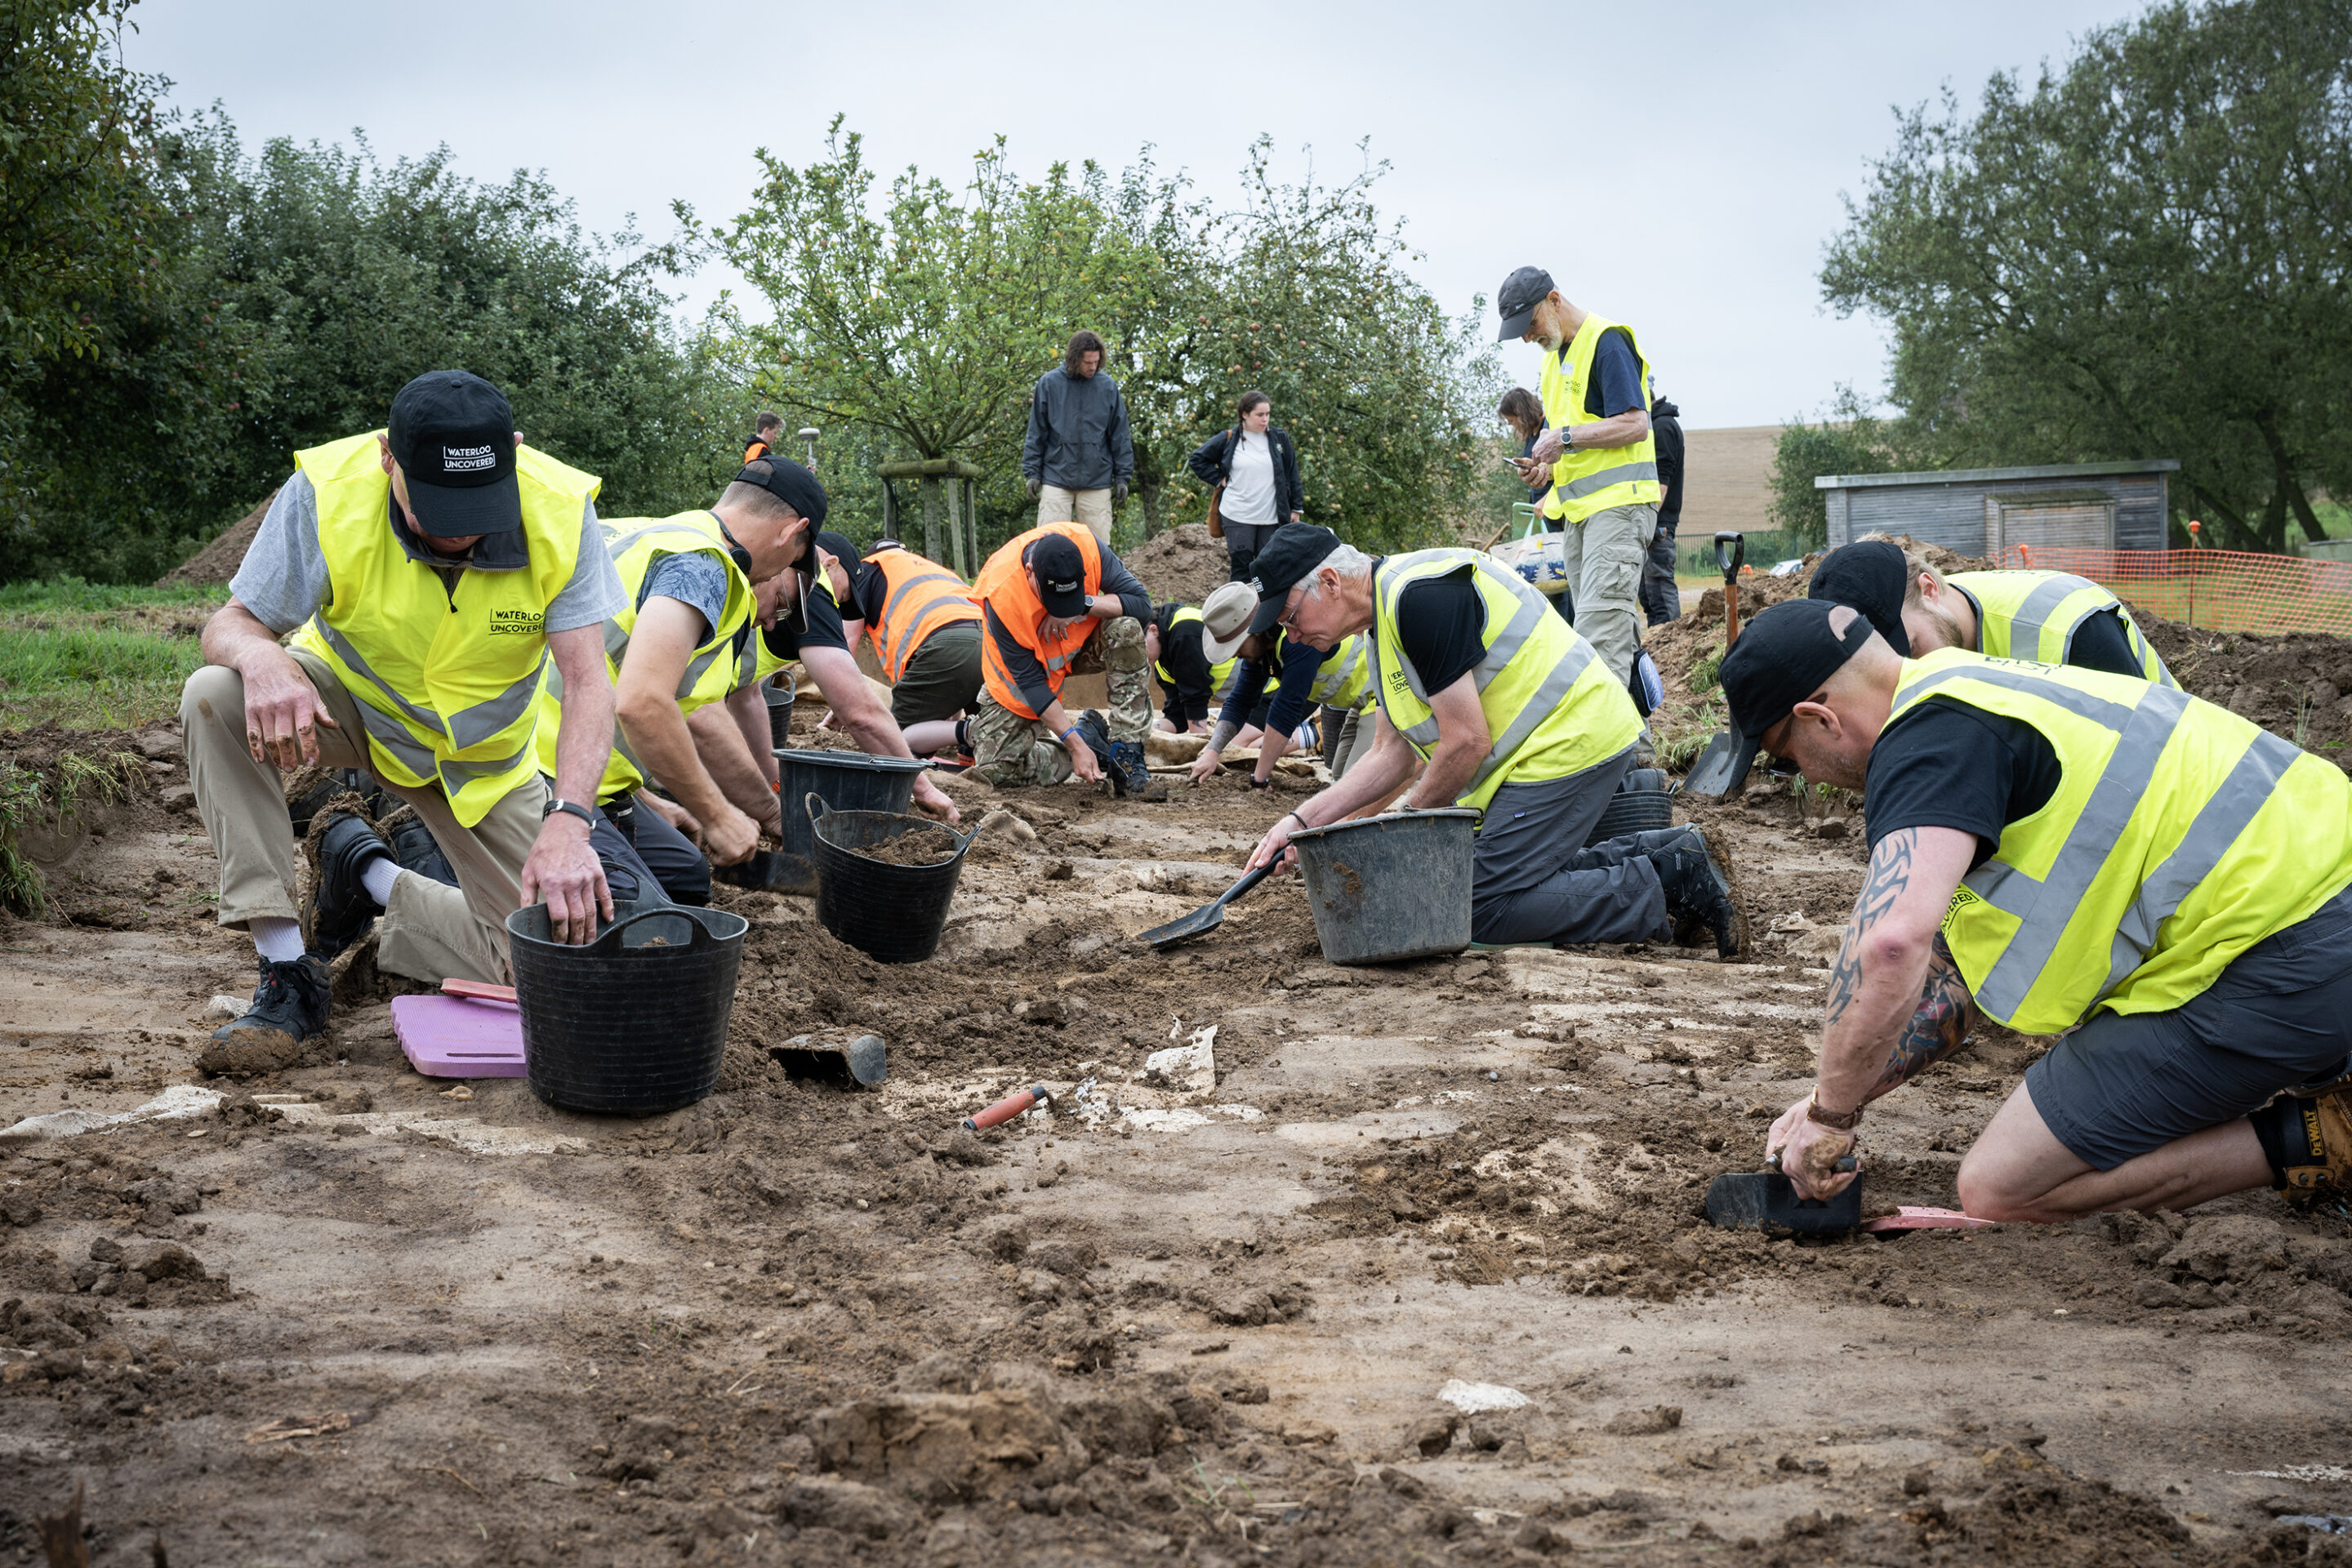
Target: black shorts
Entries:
(2281, 1015)
(942, 679)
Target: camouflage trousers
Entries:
(1012, 749)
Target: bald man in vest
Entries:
(1516, 717)
(430, 575)
(1599, 453)
(2048, 617)
(2076, 853)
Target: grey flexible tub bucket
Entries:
(844, 781)
(1390, 887)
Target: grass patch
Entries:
(1707, 669)
(48, 794)
(86, 656)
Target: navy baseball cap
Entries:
(453, 434)
(1289, 553)
(1061, 577)
(788, 483)
(1870, 576)
(1521, 292)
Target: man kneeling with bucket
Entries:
(2076, 853)
(1515, 716)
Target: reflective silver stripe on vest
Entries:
(1548, 697)
(1516, 632)
(2043, 907)
(2033, 614)
(2141, 651)
(1327, 687)
(616, 648)
(1622, 474)
(467, 726)
(460, 774)
(393, 737)
(891, 604)
(2219, 825)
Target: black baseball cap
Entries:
(1061, 577)
(788, 483)
(1783, 657)
(1870, 576)
(1289, 553)
(1521, 292)
(453, 434)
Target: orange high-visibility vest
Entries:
(922, 596)
(1003, 587)
(755, 451)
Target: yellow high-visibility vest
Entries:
(1587, 480)
(446, 663)
(1219, 673)
(2033, 615)
(2180, 834)
(637, 545)
(1552, 708)
(1344, 678)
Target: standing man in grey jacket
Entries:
(1079, 458)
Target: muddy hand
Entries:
(931, 799)
(1808, 1152)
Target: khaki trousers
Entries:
(1010, 750)
(1092, 508)
(430, 932)
(1604, 555)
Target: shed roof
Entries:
(1996, 476)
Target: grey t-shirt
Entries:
(283, 578)
(695, 581)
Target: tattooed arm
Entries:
(1895, 1001)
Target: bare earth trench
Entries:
(343, 1317)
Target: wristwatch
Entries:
(572, 808)
(1844, 1120)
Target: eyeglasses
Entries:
(1292, 603)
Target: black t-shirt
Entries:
(816, 623)
(1945, 764)
(2101, 643)
(1184, 676)
(1442, 628)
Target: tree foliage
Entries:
(1849, 440)
(916, 325)
(2146, 255)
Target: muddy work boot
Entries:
(1131, 772)
(290, 1006)
(1698, 891)
(339, 910)
(415, 848)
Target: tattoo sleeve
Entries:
(1939, 1026)
(1889, 874)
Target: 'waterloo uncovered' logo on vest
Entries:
(518, 623)
(468, 459)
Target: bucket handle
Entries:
(814, 805)
(608, 941)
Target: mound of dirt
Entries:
(218, 562)
(1183, 565)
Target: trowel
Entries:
(1723, 767)
(858, 1063)
(1767, 1201)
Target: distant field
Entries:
(86, 656)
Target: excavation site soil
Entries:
(1404, 1262)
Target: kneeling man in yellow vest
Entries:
(1515, 716)
(2048, 617)
(430, 574)
(2074, 853)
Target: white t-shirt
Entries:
(1249, 493)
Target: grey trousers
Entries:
(1353, 738)
(1532, 881)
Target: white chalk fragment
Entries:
(176, 1103)
(1476, 1398)
(226, 1007)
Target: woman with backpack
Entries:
(1255, 469)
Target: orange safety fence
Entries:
(2219, 590)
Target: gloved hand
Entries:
(1119, 493)
(1033, 487)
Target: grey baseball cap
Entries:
(1521, 292)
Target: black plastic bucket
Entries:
(634, 1023)
(894, 913)
(1640, 805)
(779, 692)
(846, 781)
(1390, 887)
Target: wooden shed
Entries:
(1980, 511)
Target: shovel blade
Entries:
(1763, 1200)
(1720, 769)
(1200, 922)
(860, 1063)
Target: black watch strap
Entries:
(572, 807)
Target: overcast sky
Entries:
(1684, 182)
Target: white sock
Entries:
(379, 876)
(277, 939)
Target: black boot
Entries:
(291, 1001)
(415, 848)
(1131, 772)
(339, 910)
(1698, 891)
